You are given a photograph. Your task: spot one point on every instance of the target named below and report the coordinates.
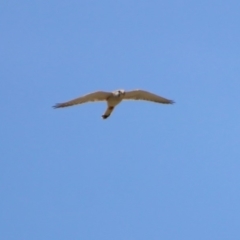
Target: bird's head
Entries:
(119, 93)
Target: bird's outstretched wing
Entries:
(147, 96)
(91, 97)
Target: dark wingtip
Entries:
(57, 105)
(172, 102)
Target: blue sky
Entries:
(149, 171)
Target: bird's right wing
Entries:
(147, 96)
(91, 97)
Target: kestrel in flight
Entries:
(114, 98)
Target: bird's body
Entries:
(114, 98)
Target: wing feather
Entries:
(147, 96)
(91, 97)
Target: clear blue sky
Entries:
(150, 171)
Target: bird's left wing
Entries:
(91, 97)
(147, 96)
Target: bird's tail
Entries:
(107, 112)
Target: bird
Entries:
(114, 98)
